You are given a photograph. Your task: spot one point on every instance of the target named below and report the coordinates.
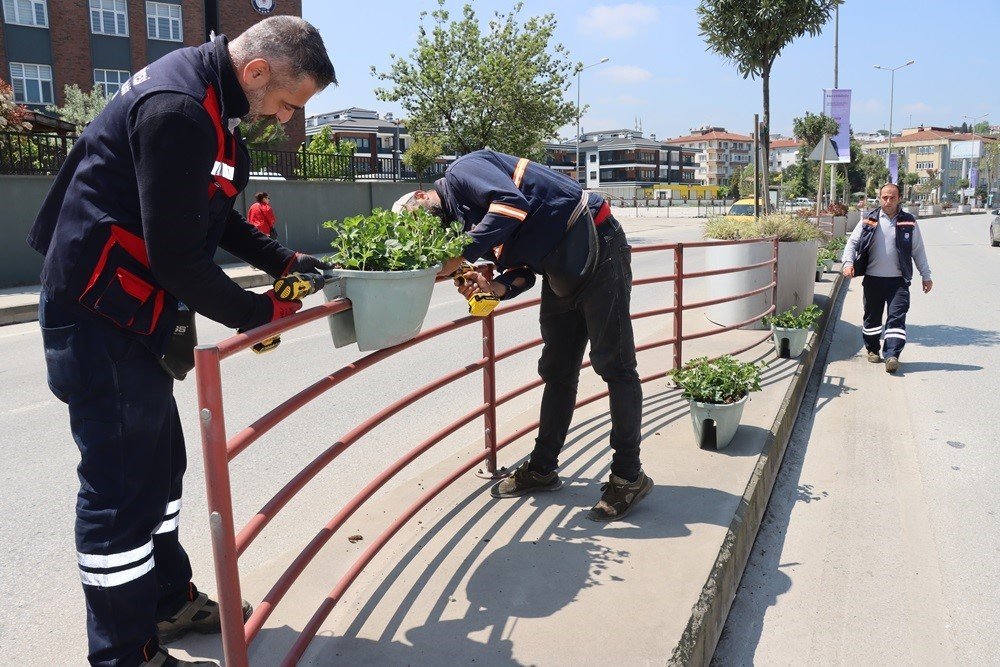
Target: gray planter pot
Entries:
(828, 264)
(733, 312)
(794, 339)
(839, 225)
(819, 273)
(387, 307)
(853, 218)
(715, 424)
(796, 264)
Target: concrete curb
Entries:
(28, 312)
(708, 616)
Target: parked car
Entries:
(995, 229)
(799, 202)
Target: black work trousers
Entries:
(125, 423)
(890, 296)
(598, 314)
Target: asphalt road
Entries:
(881, 542)
(42, 617)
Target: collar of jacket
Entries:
(234, 101)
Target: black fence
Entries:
(43, 154)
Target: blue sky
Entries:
(660, 72)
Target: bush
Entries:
(785, 227)
(721, 381)
(836, 208)
(386, 241)
(789, 319)
(837, 245)
(826, 254)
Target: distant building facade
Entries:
(720, 153)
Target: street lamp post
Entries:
(578, 71)
(892, 90)
(973, 120)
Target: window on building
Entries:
(32, 83)
(109, 17)
(593, 175)
(163, 21)
(110, 80)
(26, 12)
(925, 165)
(593, 157)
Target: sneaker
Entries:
(163, 659)
(199, 614)
(891, 365)
(619, 497)
(874, 358)
(524, 480)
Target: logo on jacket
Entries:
(906, 235)
(263, 6)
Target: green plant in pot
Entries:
(386, 264)
(827, 257)
(790, 330)
(717, 391)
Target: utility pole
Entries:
(892, 88)
(836, 47)
(756, 167)
(578, 71)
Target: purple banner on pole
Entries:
(892, 160)
(974, 177)
(837, 105)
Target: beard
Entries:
(256, 100)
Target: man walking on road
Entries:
(883, 249)
(129, 231)
(531, 220)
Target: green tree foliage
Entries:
(326, 157)
(752, 33)
(264, 133)
(982, 127)
(809, 131)
(500, 88)
(422, 154)
(79, 107)
(909, 180)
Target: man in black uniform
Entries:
(530, 220)
(129, 231)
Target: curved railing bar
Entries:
(712, 332)
(293, 571)
(264, 516)
(704, 304)
(736, 269)
(242, 341)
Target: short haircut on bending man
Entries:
(289, 42)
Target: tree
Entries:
(752, 33)
(964, 128)
(909, 180)
(263, 133)
(982, 127)
(874, 170)
(501, 89)
(326, 157)
(809, 131)
(422, 154)
(79, 107)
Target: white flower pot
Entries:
(715, 424)
(387, 307)
(828, 264)
(728, 284)
(795, 339)
(819, 273)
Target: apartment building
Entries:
(927, 152)
(46, 45)
(784, 153)
(622, 159)
(720, 154)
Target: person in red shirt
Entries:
(261, 215)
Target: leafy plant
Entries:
(387, 241)
(836, 208)
(785, 227)
(80, 108)
(826, 255)
(789, 319)
(722, 381)
(836, 245)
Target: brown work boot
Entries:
(874, 358)
(891, 365)
(525, 480)
(619, 497)
(200, 614)
(163, 659)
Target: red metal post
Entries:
(490, 392)
(220, 504)
(774, 274)
(678, 304)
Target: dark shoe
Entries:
(620, 497)
(163, 659)
(524, 480)
(874, 358)
(199, 615)
(891, 365)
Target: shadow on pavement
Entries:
(905, 368)
(947, 335)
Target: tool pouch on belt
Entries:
(573, 261)
(178, 359)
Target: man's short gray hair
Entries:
(290, 42)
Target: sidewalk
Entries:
(20, 304)
(532, 581)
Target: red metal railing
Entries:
(228, 545)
